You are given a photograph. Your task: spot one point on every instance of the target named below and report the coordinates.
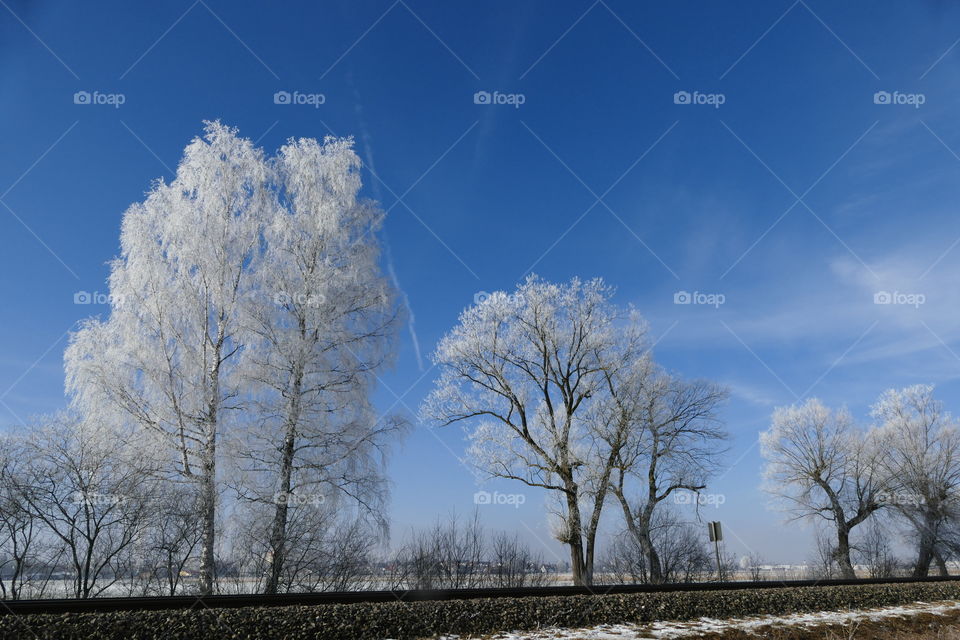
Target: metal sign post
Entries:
(716, 535)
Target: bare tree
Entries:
(921, 444)
(663, 436)
(90, 491)
(823, 562)
(523, 370)
(625, 561)
(325, 550)
(873, 550)
(24, 560)
(458, 553)
(448, 555)
(512, 564)
(682, 553)
(753, 563)
(822, 466)
(168, 547)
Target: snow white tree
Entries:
(318, 327)
(523, 370)
(823, 466)
(921, 457)
(166, 357)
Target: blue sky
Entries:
(797, 199)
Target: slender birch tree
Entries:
(318, 328)
(166, 357)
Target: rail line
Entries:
(73, 605)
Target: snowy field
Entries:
(761, 626)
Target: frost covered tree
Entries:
(823, 466)
(318, 327)
(24, 544)
(663, 436)
(248, 317)
(921, 444)
(166, 358)
(522, 370)
(90, 490)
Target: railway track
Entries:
(56, 606)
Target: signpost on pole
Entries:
(716, 535)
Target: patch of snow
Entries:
(669, 630)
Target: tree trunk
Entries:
(646, 516)
(208, 475)
(927, 538)
(278, 530)
(941, 563)
(588, 562)
(924, 556)
(653, 559)
(641, 533)
(591, 538)
(208, 505)
(598, 502)
(578, 568)
(842, 553)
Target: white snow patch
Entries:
(667, 630)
